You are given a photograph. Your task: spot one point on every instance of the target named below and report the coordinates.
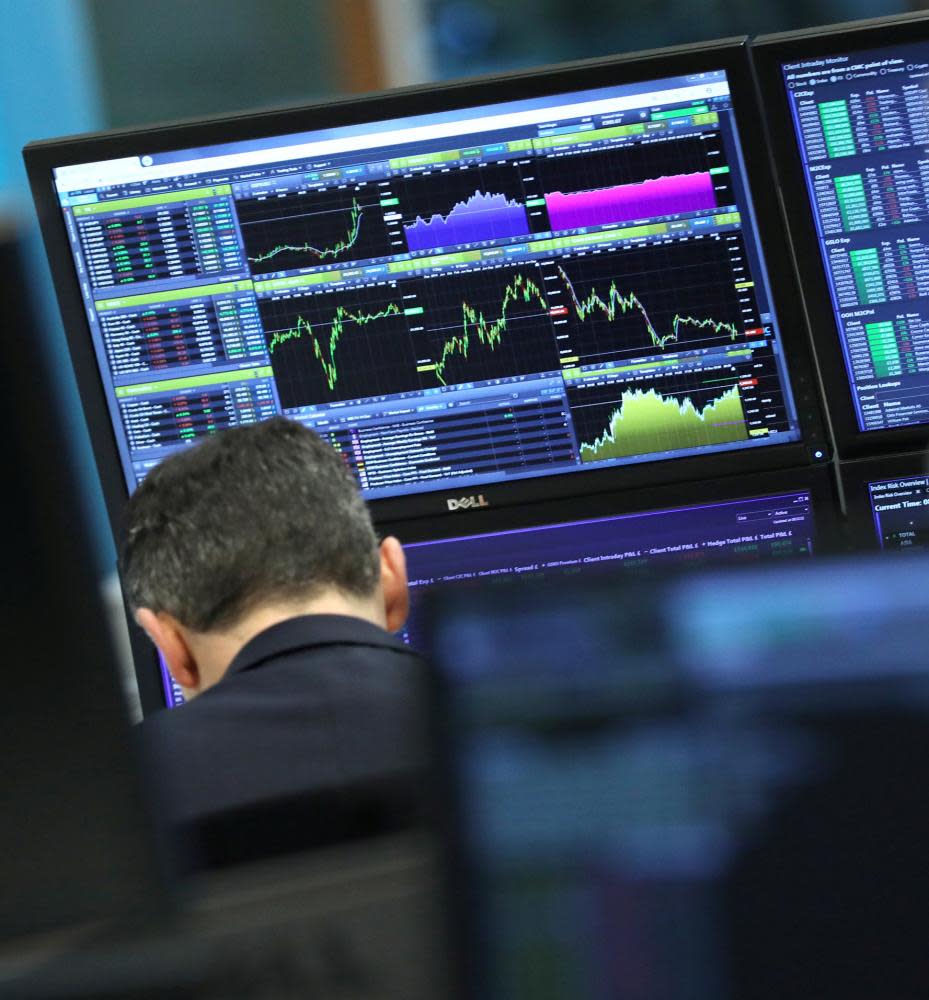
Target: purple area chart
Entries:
(649, 199)
(481, 217)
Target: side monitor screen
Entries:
(862, 126)
(499, 292)
(901, 512)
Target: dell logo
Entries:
(468, 503)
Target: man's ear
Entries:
(167, 633)
(394, 583)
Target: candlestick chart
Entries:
(303, 229)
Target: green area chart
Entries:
(646, 422)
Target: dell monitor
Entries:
(768, 517)
(543, 284)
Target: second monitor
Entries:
(849, 120)
(887, 501)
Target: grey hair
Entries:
(263, 512)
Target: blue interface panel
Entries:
(739, 530)
(901, 512)
(862, 126)
(506, 291)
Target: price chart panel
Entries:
(515, 290)
(862, 127)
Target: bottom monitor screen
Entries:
(901, 512)
(737, 530)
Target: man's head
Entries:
(252, 526)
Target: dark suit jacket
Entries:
(313, 714)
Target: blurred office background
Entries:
(69, 66)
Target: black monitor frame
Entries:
(854, 477)
(768, 53)
(729, 55)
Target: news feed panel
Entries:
(510, 282)
(849, 120)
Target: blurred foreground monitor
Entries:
(75, 847)
(698, 786)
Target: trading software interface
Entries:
(901, 512)
(507, 291)
(739, 530)
(862, 125)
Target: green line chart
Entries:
(477, 328)
(332, 346)
(299, 229)
(617, 304)
(326, 355)
(642, 301)
(320, 253)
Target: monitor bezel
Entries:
(768, 53)
(728, 54)
(854, 477)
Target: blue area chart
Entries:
(481, 217)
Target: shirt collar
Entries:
(307, 631)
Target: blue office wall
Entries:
(492, 36)
(48, 88)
